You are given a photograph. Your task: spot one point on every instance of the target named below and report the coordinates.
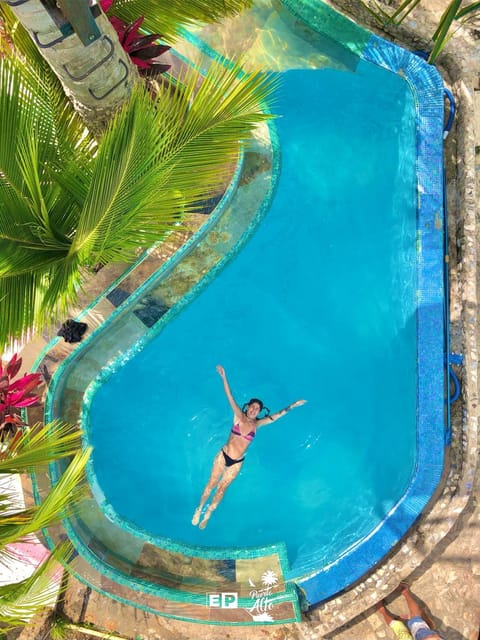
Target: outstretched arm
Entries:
(280, 414)
(235, 408)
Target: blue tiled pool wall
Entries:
(427, 89)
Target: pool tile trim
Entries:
(386, 48)
(427, 88)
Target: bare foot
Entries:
(196, 516)
(205, 520)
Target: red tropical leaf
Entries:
(139, 46)
(12, 399)
(148, 50)
(119, 25)
(131, 33)
(13, 418)
(106, 4)
(26, 383)
(26, 402)
(141, 64)
(13, 367)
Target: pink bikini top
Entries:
(236, 431)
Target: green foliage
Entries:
(68, 201)
(453, 12)
(19, 601)
(169, 16)
(470, 8)
(440, 36)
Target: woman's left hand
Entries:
(298, 403)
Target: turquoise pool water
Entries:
(320, 304)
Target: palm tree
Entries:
(97, 76)
(42, 445)
(83, 49)
(68, 201)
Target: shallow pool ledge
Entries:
(160, 576)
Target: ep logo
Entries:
(223, 600)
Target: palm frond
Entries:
(470, 8)
(167, 17)
(20, 299)
(38, 277)
(20, 601)
(65, 495)
(66, 203)
(406, 8)
(39, 446)
(188, 152)
(440, 37)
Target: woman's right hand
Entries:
(221, 370)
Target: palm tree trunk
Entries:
(97, 77)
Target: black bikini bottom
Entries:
(230, 461)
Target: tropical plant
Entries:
(68, 201)
(42, 445)
(142, 49)
(171, 17)
(454, 12)
(94, 70)
(97, 75)
(15, 395)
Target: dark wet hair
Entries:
(261, 405)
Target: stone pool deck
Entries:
(445, 576)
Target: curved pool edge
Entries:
(172, 593)
(427, 87)
(442, 368)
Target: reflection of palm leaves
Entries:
(66, 203)
(167, 16)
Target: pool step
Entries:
(238, 590)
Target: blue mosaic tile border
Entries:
(427, 88)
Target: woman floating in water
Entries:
(228, 461)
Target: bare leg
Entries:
(228, 477)
(218, 468)
(414, 608)
(385, 613)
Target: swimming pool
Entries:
(288, 320)
(338, 322)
